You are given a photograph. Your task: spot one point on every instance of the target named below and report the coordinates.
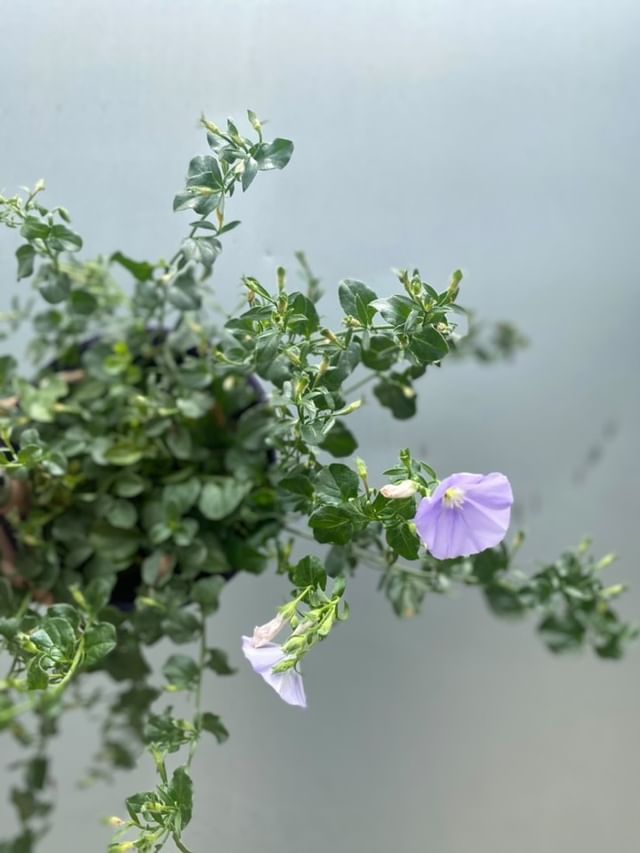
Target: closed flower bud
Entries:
(396, 491)
(263, 634)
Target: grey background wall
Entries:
(500, 136)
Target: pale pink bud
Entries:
(395, 491)
(264, 634)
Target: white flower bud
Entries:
(263, 634)
(395, 491)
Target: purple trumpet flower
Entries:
(466, 514)
(263, 657)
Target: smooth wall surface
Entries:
(500, 136)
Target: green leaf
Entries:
(36, 772)
(206, 593)
(184, 293)
(267, 348)
(83, 302)
(380, 353)
(37, 678)
(196, 405)
(309, 571)
(181, 672)
(26, 255)
(274, 155)
(229, 226)
(181, 626)
(122, 513)
(129, 485)
(395, 310)
(428, 345)
(340, 441)
(124, 453)
(97, 593)
(137, 806)
(179, 442)
(167, 733)
(155, 568)
(213, 724)
(255, 287)
(405, 592)
(355, 299)
(63, 239)
(332, 524)
(181, 496)
(203, 250)
(53, 287)
(33, 229)
(160, 532)
(181, 793)
(99, 640)
(304, 319)
(398, 397)
(186, 532)
(504, 601)
(140, 270)
(403, 540)
(221, 496)
(298, 484)
(249, 173)
(204, 171)
(342, 365)
(55, 638)
(337, 483)
(217, 661)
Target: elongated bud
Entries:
(294, 644)
(303, 627)
(606, 561)
(397, 491)
(210, 126)
(454, 286)
(300, 386)
(361, 468)
(613, 591)
(323, 367)
(350, 408)
(329, 335)
(263, 634)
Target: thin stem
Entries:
(179, 844)
(198, 691)
(359, 384)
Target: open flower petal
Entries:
(288, 685)
(466, 514)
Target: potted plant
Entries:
(156, 448)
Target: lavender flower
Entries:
(288, 685)
(466, 514)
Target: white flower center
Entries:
(453, 498)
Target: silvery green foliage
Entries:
(158, 466)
